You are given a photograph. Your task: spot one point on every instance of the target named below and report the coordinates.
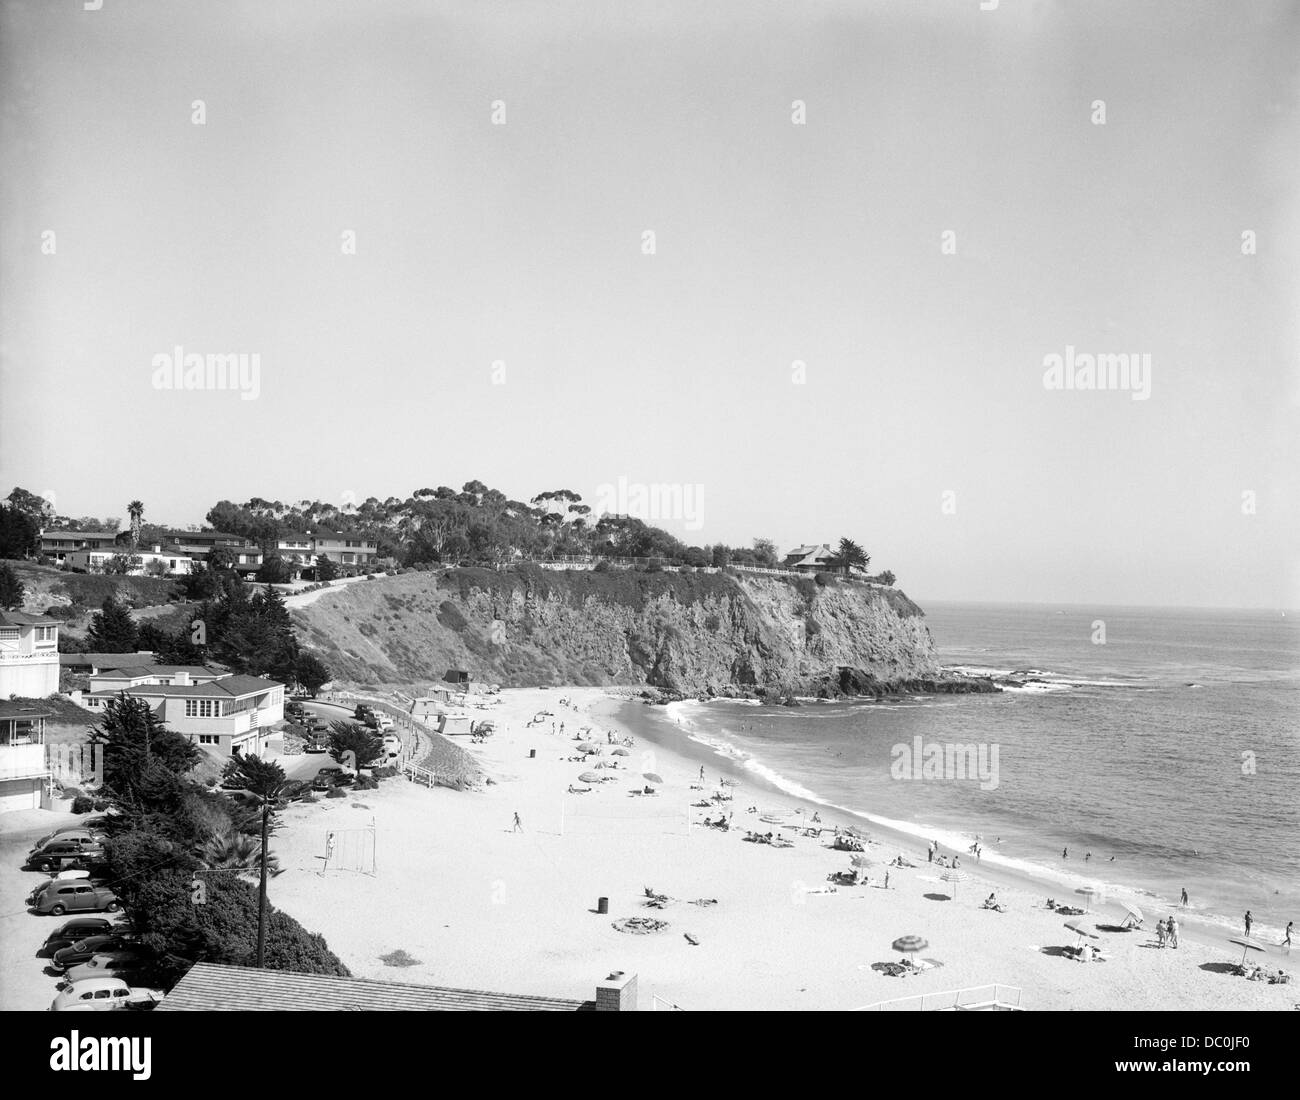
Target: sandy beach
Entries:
(480, 905)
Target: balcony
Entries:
(48, 653)
(22, 761)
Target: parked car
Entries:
(69, 897)
(106, 964)
(317, 744)
(328, 778)
(385, 721)
(58, 855)
(76, 929)
(86, 949)
(104, 995)
(87, 838)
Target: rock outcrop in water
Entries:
(693, 634)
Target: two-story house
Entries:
(149, 560)
(219, 711)
(29, 655)
(246, 555)
(23, 769)
(57, 544)
(353, 552)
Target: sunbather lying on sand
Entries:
(579, 790)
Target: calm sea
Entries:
(1172, 747)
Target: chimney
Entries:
(617, 993)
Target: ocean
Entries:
(1162, 741)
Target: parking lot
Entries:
(24, 985)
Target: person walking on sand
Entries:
(1286, 940)
(1173, 932)
(1065, 853)
(1184, 897)
(886, 880)
(519, 825)
(956, 862)
(701, 773)
(1249, 920)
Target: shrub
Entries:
(387, 772)
(309, 797)
(83, 804)
(603, 566)
(72, 792)
(824, 579)
(335, 792)
(100, 805)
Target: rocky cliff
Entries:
(689, 633)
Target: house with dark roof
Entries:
(209, 987)
(815, 559)
(57, 544)
(352, 552)
(29, 655)
(221, 712)
(246, 555)
(93, 662)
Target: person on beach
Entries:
(519, 825)
(1184, 900)
(329, 848)
(1286, 940)
(886, 880)
(1249, 921)
(1087, 856)
(929, 851)
(1160, 933)
(1065, 853)
(1173, 932)
(701, 773)
(956, 862)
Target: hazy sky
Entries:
(521, 244)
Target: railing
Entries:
(416, 774)
(975, 998)
(22, 761)
(51, 655)
(659, 1004)
(590, 561)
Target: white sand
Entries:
(484, 907)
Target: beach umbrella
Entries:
(1077, 926)
(1133, 911)
(622, 752)
(910, 945)
(590, 777)
(587, 748)
(954, 876)
(859, 859)
(1088, 892)
(1246, 945)
(652, 777)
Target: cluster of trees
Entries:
(247, 633)
(12, 590)
(176, 851)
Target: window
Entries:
(209, 739)
(45, 633)
(202, 708)
(9, 634)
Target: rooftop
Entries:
(21, 618)
(209, 987)
(22, 710)
(235, 686)
(107, 660)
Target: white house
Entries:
(219, 711)
(23, 770)
(93, 561)
(29, 655)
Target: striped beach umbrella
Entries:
(588, 749)
(620, 751)
(652, 777)
(1077, 926)
(954, 876)
(590, 777)
(1090, 894)
(1134, 913)
(910, 945)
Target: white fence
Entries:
(977, 998)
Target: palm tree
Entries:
(266, 782)
(136, 511)
(232, 851)
(849, 553)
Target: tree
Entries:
(12, 591)
(311, 673)
(886, 578)
(234, 851)
(848, 554)
(112, 630)
(326, 570)
(121, 565)
(20, 535)
(36, 508)
(765, 552)
(274, 570)
(265, 781)
(143, 766)
(136, 511)
(221, 558)
(354, 745)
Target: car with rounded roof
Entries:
(78, 895)
(86, 949)
(104, 995)
(76, 929)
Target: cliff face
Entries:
(697, 634)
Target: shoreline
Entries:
(482, 906)
(910, 838)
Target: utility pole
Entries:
(261, 899)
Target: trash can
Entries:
(532, 753)
(602, 905)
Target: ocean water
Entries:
(1174, 747)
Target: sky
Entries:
(873, 226)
